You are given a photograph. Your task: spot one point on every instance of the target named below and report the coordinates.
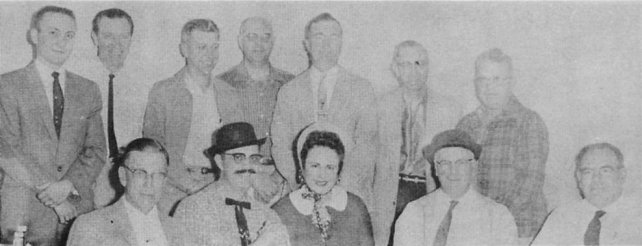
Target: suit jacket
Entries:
(168, 119)
(441, 114)
(108, 226)
(351, 108)
(28, 130)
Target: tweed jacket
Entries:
(29, 133)
(203, 219)
(168, 119)
(108, 226)
(351, 108)
(442, 113)
(255, 100)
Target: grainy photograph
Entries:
(320, 123)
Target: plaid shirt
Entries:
(512, 163)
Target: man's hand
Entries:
(65, 212)
(56, 193)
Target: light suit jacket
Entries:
(442, 114)
(351, 108)
(108, 226)
(29, 133)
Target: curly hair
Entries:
(323, 139)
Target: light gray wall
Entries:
(577, 64)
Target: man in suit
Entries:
(134, 219)
(182, 113)
(52, 124)
(326, 92)
(254, 84)
(226, 212)
(408, 117)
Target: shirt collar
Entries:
(153, 213)
(466, 198)
(316, 74)
(615, 206)
(45, 70)
(224, 189)
(338, 200)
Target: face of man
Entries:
(201, 50)
(112, 40)
(256, 41)
(324, 44)
(238, 166)
(321, 169)
(600, 177)
(411, 68)
(143, 178)
(55, 39)
(455, 169)
(493, 84)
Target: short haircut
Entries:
(204, 25)
(410, 44)
(37, 17)
(320, 18)
(495, 55)
(262, 20)
(597, 146)
(113, 13)
(323, 139)
(141, 145)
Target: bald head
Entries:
(256, 40)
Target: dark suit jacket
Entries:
(352, 108)
(108, 226)
(78, 155)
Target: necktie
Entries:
(323, 93)
(58, 103)
(592, 235)
(111, 136)
(444, 227)
(404, 139)
(241, 222)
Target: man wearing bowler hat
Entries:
(226, 212)
(454, 214)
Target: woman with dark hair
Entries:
(322, 212)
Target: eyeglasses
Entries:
(142, 174)
(457, 163)
(240, 157)
(608, 170)
(263, 38)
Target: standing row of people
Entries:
(61, 158)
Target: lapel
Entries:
(36, 87)
(341, 93)
(184, 115)
(305, 102)
(122, 225)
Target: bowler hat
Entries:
(451, 138)
(232, 136)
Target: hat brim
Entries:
(430, 150)
(217, 149)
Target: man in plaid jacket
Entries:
(514, 141)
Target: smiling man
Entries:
(604, 216)
(182, 112)
(134, 219)
(226, 212)
(454, 214)
(52, 124)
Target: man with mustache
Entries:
(182, 112)
(121, 85)
(226, 212)
(605, 216)
(251, 94)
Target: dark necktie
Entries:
(111, 136)
(592, 235)
(404, 138)
(241, 222)
(58, 103)
(444, 227)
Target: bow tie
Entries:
(230, 201)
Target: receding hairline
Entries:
(410, 44)
(599, 146)
(264, 22)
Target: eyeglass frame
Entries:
(240, 157)
(138, 172)
(458, 163)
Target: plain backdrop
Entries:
(578, 64)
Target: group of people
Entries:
(259, 156)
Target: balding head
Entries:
(256, 39)
(410, 65)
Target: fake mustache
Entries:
(242, 171)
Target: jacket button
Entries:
(59, 168)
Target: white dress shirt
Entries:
(476, 220)
(205, 120)
(147, 228)
(330, 78)
(620, 225)
(45, 71)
